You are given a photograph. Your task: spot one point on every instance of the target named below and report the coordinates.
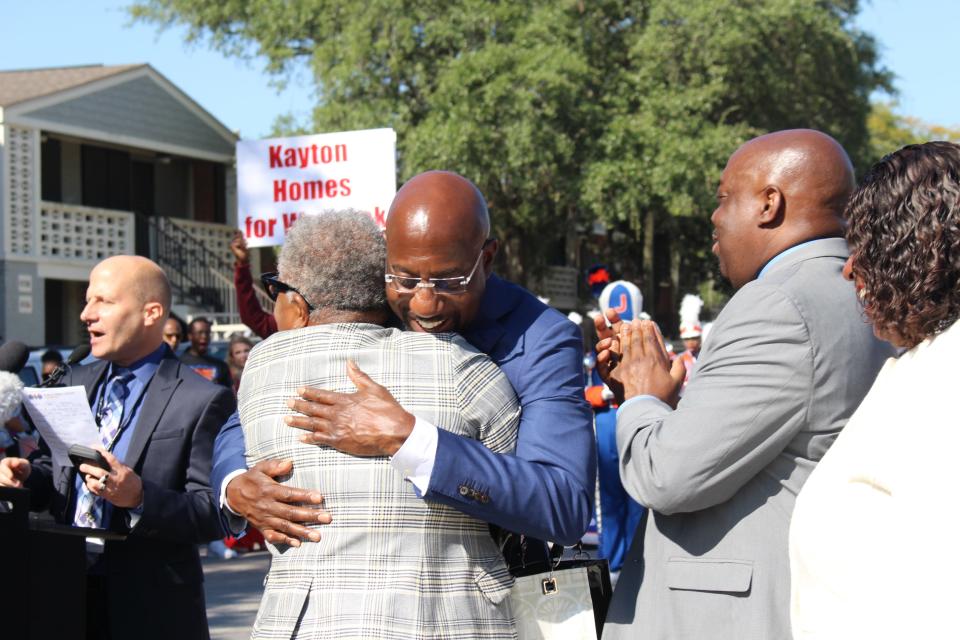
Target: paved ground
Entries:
(233, 590)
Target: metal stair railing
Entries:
(197, 275)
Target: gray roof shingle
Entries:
(20, 85)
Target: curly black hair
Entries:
(904, 237)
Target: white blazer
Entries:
(874, 532)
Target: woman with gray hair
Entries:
(336, 261)
(388, 564)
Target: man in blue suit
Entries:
(439, 279)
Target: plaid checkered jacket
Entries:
(390, 565)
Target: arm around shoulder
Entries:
(228, 454)
(545, 489)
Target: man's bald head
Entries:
(438, 227)
(128, 300)
(442, 202)
(810, 167)
(777, 191)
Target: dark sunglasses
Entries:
(274, 287)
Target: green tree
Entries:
(701, 78)
(890, 131)
(500, 92)
(565, 112)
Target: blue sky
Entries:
(919, 40)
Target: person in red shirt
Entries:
(251, 313)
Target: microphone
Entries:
(78, 354)
(13, 355)
(75, 356)
(11, 395)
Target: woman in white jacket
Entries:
(874, 534)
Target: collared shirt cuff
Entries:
(233, 522)
(134, 516)
(416, 457)
(650, 401)
(224, 504)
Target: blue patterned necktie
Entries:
(110, 413)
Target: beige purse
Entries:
(555, 605)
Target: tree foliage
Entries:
(890, 131)
(565, 111)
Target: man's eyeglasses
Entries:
(274, 287)
(409, 284)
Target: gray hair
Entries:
(336, 261)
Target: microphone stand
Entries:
(54, 378)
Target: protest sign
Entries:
(280, 179)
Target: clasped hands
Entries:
(632, 360)
(368, 422)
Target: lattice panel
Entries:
(71, 232)
(215, 237)
(22, 162)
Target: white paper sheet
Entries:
(63, 417)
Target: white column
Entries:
(22, 161)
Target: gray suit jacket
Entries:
(787, 362)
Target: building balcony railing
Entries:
(80, 234)
(195, 255)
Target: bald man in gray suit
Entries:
(785, 365)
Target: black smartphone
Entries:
(80, 454)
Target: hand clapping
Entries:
(635, 362)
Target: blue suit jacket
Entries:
(546, 489)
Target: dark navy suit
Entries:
(546, 489)
(154, 581)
